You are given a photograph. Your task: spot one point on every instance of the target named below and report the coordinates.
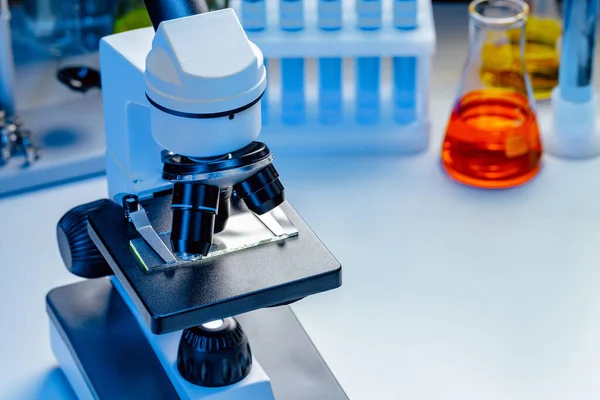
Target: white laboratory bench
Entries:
(449, 292)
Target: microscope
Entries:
(193, 260)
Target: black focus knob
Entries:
(215, 354)
(78, 251)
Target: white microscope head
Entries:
(204, 81)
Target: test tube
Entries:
(291, 18)
(574, 103)
(254, 15)
(405, 14)
(254, 19)
(577, 52)
(7, 67)
(368, 68)
(330, 68)
(405, 68)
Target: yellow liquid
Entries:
(500, 62)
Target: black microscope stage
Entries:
(175, 297)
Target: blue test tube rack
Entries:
(404, 45)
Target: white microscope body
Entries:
(194, 89)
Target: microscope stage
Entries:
(188, 294)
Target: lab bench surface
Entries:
(448, 292)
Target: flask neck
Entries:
(480, 36)
(497, 22)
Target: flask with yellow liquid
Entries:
(544, 28)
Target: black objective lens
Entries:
(194, 207)
(223, 211)
(263, 191)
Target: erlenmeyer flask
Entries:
(492, 138)
(541, 52)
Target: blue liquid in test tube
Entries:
(291, 18)
(577, 52)
(368, 68)
(405, 14)
(330, 68)
(405, 89)
(405, 68)
(254, 15)
(254, 19)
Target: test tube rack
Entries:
(346, 136)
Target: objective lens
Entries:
(263, 191)
(194, 207)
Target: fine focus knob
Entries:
(78, 251)
(214, 354)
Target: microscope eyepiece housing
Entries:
(204, 81)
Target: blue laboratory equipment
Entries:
(371, 33)
(368, 69)
(291, 18)
(254, 15)
(578, 43)
(405, 68)
(405, 89)
(330, 68)
(405, 14)
(574, 103)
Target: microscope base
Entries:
(105, 353)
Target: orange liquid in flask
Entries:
(492, 140)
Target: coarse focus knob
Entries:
(78, 251)
(214, 354)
